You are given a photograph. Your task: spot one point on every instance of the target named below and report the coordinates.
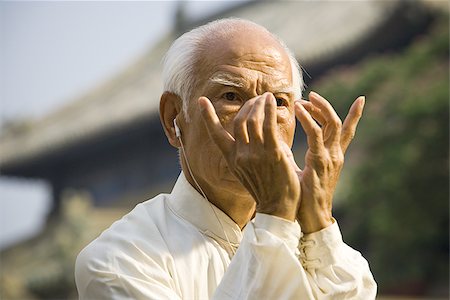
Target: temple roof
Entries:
(315, 31)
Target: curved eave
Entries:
(132, 96)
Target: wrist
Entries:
(314, 222)
(287, 212)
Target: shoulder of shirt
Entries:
(132, 238)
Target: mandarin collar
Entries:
(190, 205)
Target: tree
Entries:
(397, 209)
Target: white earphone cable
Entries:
(203, 193)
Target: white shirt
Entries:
(173, 247)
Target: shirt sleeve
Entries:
(269, 265)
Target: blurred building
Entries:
(110, 142)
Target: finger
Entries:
(270, 121)
(240, 123)
(315, 112)
(351, 121)
(217, 133)
(333, 122)
(312, 130)
(255, 120)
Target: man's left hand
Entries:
(324, 158)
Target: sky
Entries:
(52, 53)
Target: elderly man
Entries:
(243, 220)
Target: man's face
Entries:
(232, 70)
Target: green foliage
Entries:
(397, 211)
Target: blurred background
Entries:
(81, 143)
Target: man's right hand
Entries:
(256, 156)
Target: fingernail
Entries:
(269, 95)
(303, 101)
(362, 100)
(199, 102)
(312, 93)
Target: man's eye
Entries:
(280, 101)
(230, 96)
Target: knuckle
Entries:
(349, 134)
(337, 158)
(351, 137)
(320, 165)
(278, 154)
(253, 121)
(317, 131)
(317, 140)
(337, 123)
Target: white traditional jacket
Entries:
(173, 247)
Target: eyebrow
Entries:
(228, 79)
(284, 90)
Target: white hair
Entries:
(182, 56)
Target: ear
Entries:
(170, 107)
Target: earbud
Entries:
(177, 129)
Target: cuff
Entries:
(289, 232)
(320, 249)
